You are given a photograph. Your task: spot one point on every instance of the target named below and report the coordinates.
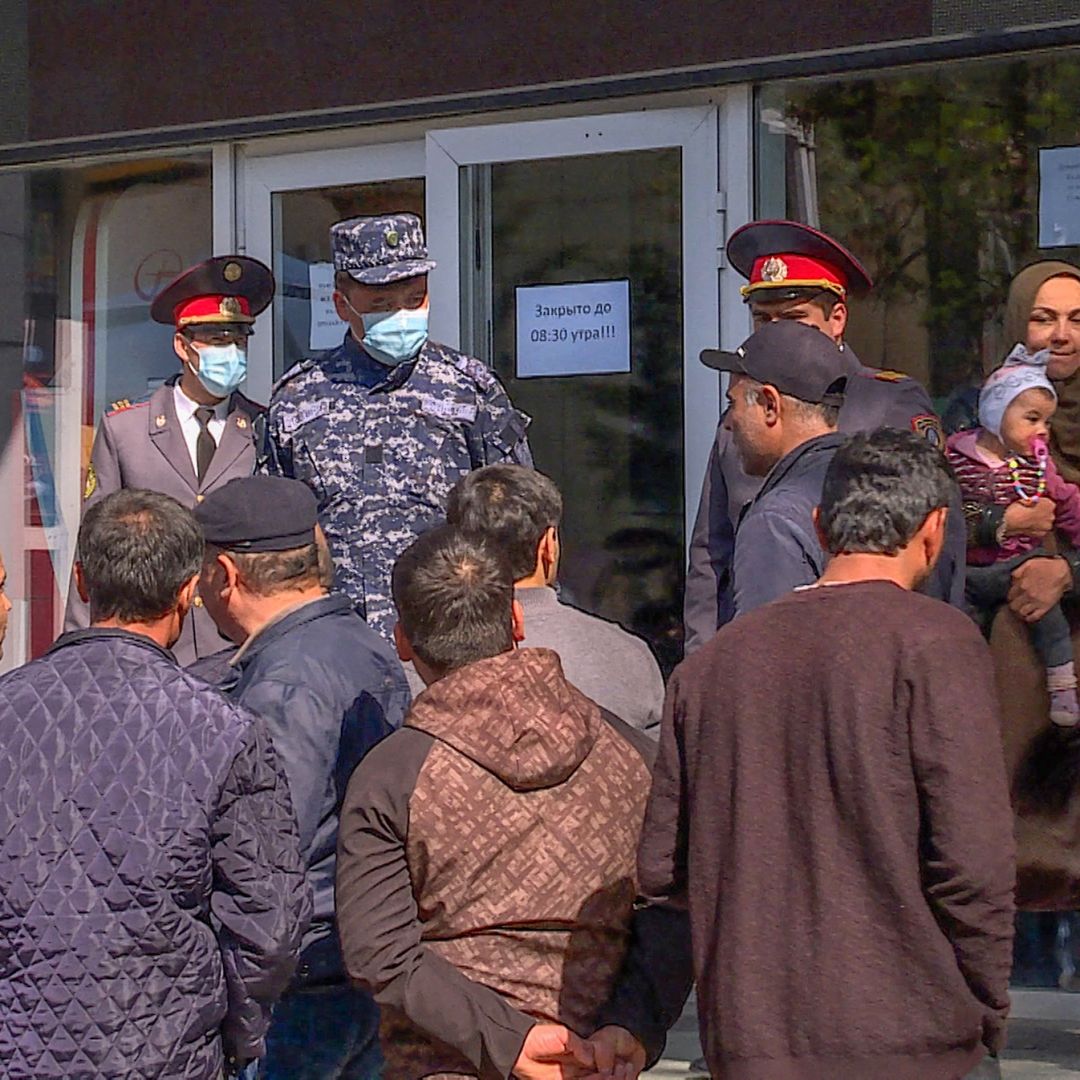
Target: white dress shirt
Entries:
(185, 413)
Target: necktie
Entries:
(204, 444)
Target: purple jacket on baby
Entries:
(981, 483)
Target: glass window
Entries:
(301, 223)
(931, 177)
(83, 251)
(612, 442)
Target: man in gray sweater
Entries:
(520, 509)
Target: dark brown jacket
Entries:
(830, 795)
(486, 865)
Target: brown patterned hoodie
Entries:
(486, 864)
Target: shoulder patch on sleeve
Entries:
(928, 426)
(91, 481)
(890, 376)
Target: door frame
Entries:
(694, 130)
(260, 178)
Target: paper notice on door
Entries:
(327, 330)
(578, 329)
(1059, 196)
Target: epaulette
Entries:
(477, 370)
(123, 405)
(297, 369)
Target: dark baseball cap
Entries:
(259, 513)
(798, 360)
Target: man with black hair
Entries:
(830, 804)
(520, 510)
(152, 898)
(329, 688)
(486, 880)
(797, 274)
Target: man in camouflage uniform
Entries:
(383, 426)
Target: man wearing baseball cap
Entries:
(796, 273)
(787, 386)
(195, 433)
(382, 427)
(329, 688)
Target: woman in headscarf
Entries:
(1043, 312)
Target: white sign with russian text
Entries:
(1059, 196)
(327, 330)
(578, 329)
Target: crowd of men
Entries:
(326, 781)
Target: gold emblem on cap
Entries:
(392, 238)
(775, 269)
(229, 306)
(232, 271)
(241, 423)
(160, 420)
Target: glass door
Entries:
(290, 202)
(586, 253)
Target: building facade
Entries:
(578, 168)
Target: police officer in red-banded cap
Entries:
(196, 432)
(796, 272)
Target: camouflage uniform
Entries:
(381, 448)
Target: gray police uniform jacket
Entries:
(142, 446)
(381, 447)
(874, 399)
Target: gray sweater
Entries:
(614, 668)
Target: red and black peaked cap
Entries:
(224, 289)
(786, 257)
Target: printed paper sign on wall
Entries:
(578, 329)
(1059, 196)
(327, 329)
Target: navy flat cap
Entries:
(259, 513)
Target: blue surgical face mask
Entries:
(393, 337)
(221, 369)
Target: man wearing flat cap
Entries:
(787, 386)
(196, 432)
(796, 273)
(382, 427)
(329, 688)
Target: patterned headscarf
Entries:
(1021, 371)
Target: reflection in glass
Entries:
(84, 252)
(613, 443)
(931, 177)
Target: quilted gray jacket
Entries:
(152, 895)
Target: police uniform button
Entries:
(199, 498)
(198, 601)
